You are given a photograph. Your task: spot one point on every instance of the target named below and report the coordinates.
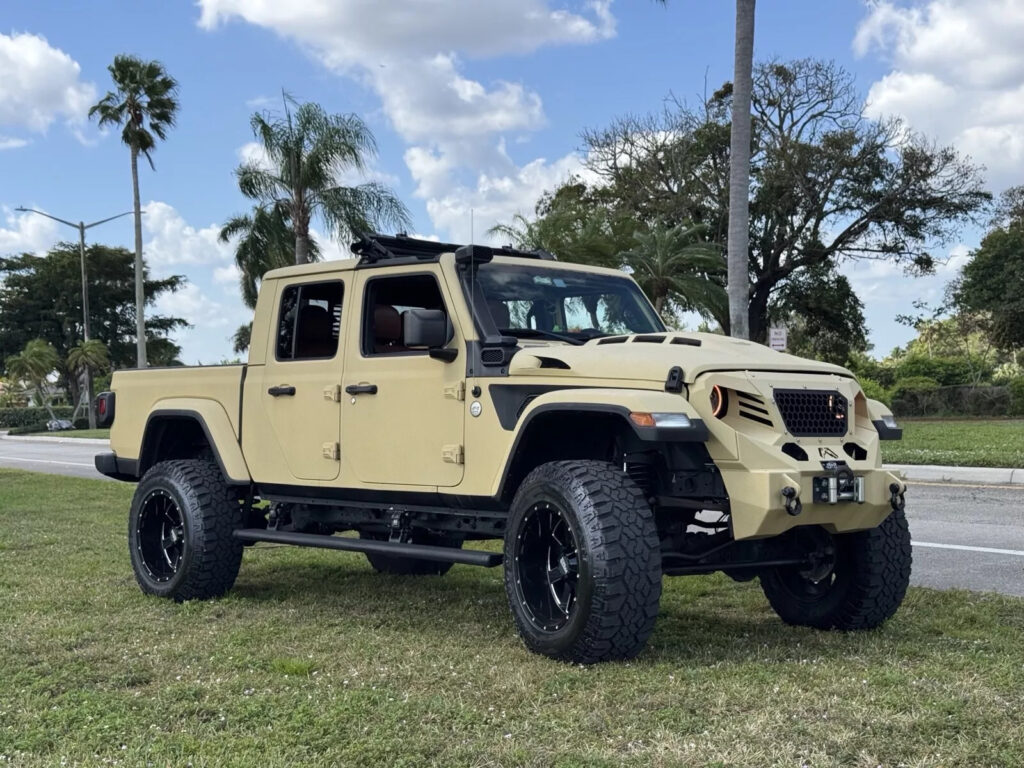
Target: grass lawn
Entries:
(313, 659)
(94, 433)
(958, 443)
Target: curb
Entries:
(939, 474)
(65, 440)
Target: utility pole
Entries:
(81, 226)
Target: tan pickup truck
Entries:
(423, 396)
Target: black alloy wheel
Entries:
(160, 535)
(546, 567)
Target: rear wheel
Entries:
(411, 566)
(582, 563)
(180, 531)
(856, 581)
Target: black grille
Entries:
(812, 413)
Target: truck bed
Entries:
(138, 392)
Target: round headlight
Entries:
(719, 401)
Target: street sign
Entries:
(777, 339)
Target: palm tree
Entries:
(678, 269)
(306, 152)
(266, 241)
(34, 364)
(88, 358)
(145, 104)
(738, 243)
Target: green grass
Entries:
(313, 659)
(94, 433)
(975, 443)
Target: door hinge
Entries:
(453, 454)
(456, 391)
(332, 451)
(333, 393)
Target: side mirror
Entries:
(424, 328)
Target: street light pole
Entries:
(81, 226)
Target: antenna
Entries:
(470, 226)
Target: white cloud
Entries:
(957, 69)
(10, 142)
(411, 52)
(40, 84)
(348, 32)
(172, 241)
(27, 232)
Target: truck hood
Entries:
(649, 357)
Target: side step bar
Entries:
(394, 548)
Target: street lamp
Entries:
(81, 227)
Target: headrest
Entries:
(387, 323)
(315, 323)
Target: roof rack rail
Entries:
(391, 249)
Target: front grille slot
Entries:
(813, 412)
(752, 407)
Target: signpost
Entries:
(777, 339)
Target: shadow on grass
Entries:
(695, 626)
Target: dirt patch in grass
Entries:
(314, 659)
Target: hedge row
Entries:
(909, 400)
(12, 418)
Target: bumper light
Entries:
(661, 420)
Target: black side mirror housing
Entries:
(424, 328)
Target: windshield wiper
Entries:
(537, 332)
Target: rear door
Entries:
(300, 388)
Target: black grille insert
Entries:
(813, 412)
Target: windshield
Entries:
(525, 300)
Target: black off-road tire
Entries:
(209, 511)
(411, 566)
(871, 574)
(617, 555)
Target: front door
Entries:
(403, 410)
(300, 387)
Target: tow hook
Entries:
(791, 501)
(896, 497)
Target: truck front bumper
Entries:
(758, 501)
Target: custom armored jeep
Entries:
(424, 396)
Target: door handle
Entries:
(282, 390)
(361, 389)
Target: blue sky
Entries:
(475, 105)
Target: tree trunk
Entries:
(301, 248)
(300, 220)
(140, 294)
(757, 317)
(739, 172)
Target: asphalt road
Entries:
(965, 537)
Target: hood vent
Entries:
(752, 407)
(614, 340)
(553, 362)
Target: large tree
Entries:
(144, 104)
(992, 283)
(306, 153)
(827, 182)
(42, 298)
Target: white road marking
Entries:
(965, 548)
(46, 461)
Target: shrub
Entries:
(913, 384)
(28, 429)
(946, 371)
(1016, 388)
(875, 391)
(21, 417)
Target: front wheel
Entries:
(180, 531)
(857, 581)
(582, 563)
